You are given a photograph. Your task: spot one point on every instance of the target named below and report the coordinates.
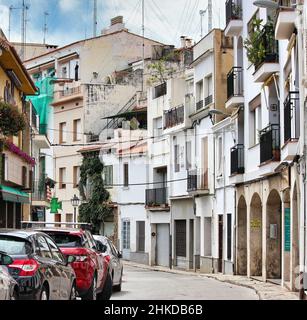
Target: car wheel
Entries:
(106, 293)
(92, 292)
(44, 293)
(73, 293)
(118, 288)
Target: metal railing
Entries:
(235, 82)
(237, 159)
(233, 10)
(266, 41)
(270, 143)
(208, 100)
(199, 104)
(291, 117)
(156, 197)
(174, 117)
(69, 92)
(197, 180)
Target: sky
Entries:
(72, 20)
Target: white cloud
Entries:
(4, 18)
(69, 5)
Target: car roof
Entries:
(61, 230)
(23, 234)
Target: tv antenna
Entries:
(45, 29)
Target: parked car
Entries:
(40, 269)
(8, 286)
(94, 279)
(116, 264)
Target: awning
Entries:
(13, 195)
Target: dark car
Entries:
(40, 269)
(8, 286)
(115, 261)
(91, 267)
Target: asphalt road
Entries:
(141, 284)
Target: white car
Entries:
(8, 286)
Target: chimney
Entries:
(117, 24)
(188, 43)
(182, 41)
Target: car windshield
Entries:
(66, 240)
(14, 246)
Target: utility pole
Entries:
(23, 29)
(45, 29)
(143, 49)
(95, 19)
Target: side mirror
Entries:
(71, 259)
(120, 255)
(5, 260)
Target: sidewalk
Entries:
(265, 291)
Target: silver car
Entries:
(8, 286)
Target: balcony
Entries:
(234, 88)
(270, 144)
(291, 126)
(40, 138)
(157, 200)
(268, 63)
(208, 100)
(197, 182)
(237, 160)
(234, 22)
(199, 105)
(67, 95)
(285, 23)
(39, 195)
(174, 117)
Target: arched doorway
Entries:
(295, 238)
(256, 236)
(273, 236)
(242, 238)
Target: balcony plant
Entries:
(260, 42)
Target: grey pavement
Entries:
(151, 283)
(146, 284)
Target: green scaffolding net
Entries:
(42, 101)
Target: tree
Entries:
(11, 123)
(95, 209)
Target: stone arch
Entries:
(256, 236)
(273, 235)
(242, 237)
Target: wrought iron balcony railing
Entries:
(291, 117)
(173, 117)
(233, 10)
(156, 197)
(197, 180)
(235, 82)
(270, 143)
(237, 159)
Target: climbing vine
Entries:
(95, 207)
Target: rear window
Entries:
(15, 246)
(66, 240)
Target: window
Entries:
(208, 90)
(64, 72)
(158, 127)
(160, 91)
(108, 176)
(188, 155)
(176, 158)
(76, 176)
(229, 236)
(56, 253)
(140, 236)
(126, 235)
(62, 176)
(43, 248)
(77, 130)
(255, 120)
(69, 217)
(219, 156)
(250, 26)
(126, 175)
(63, 132)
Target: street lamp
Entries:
(75, 202)
(215, 112)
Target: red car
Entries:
(92, 270)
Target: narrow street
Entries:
(141, 284)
